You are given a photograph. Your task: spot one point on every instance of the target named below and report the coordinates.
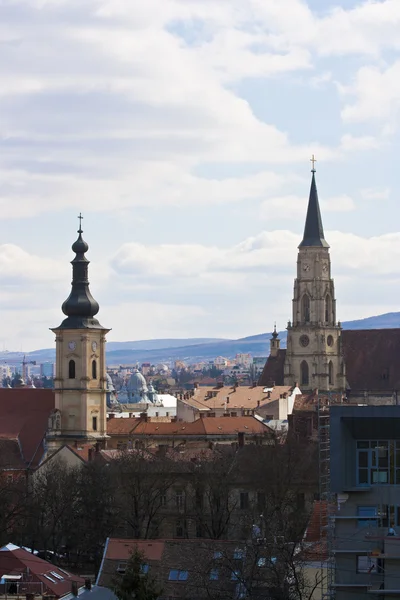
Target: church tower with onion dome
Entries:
(314, 354)
(80, 377)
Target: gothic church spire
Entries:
(313, 230)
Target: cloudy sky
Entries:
(182, 129)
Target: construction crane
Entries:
(24, 363)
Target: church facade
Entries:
(320, 354)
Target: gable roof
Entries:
(24, 415)
(272, 373)
(208, 398)
(15, 560)
(372, 359)
(200, 427)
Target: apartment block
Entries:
(365, 479)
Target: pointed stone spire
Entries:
(274, 333)
(313, 230)
(80, 306)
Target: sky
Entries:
(183, 130)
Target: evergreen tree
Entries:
(136, 582)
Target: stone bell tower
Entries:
(314, 356)
(80, 377)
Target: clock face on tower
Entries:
(72, 345)
(94, 346)
(306, 267)
(325, 267)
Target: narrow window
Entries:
(214, 574)
(330, 373)
(244, 500)
(306, 308)
(180, 529)
(261, 501)
(94, 423)
(94, 369)
(71, 369)
(304, 373)
(328, 309)
(179, 498)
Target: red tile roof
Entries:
(121, 549)
(207, 398)
(18, 561)
(315, 542)
(24, 415)
(200, 427)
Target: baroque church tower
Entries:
(80, 378)
(314, 355)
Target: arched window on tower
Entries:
(71, 369)
(330, 367)
(304, 373)
(94, 369)
(328, 309)
(306, 308)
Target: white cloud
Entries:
(151, 290)
(122, 101)
(376, 92)
(375, 193)
(294, 207)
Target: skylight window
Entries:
(50, 578)
(57, 576)
(176, 575)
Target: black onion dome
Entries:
(80, 307)
(80, 246)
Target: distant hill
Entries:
(195, 349)
(160, 344)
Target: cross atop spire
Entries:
(313, 160)
(313, 230)
(80, 223)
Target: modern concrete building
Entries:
(365, 478)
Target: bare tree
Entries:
(143, 481)
(213, 498)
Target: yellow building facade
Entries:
(80, 376)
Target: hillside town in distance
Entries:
(268, 478)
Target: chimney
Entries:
(88, 584)
(241, 439)
(97, 447)
(76, 444)
(195, 385)
(90, 454)
(227, 399)
(258, 403)
(111, 416)
(143, 417)
(74, 588)
(268, 395)
(130, 415)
